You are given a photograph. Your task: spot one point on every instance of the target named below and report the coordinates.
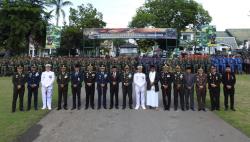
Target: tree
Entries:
(19, 21)
(171, 14)
(80, 18)
(58, 5)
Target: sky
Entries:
(226, 14)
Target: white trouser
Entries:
(140, 95)
(47, 96)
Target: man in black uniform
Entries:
(18, 80)
(166, 86)
(102, 80)
(229, 80)
(178, 88)
(33, 79)
(114, 87)
(214, 80)
(127, 80)
(63, 81)
(89, 79)
(76, 85)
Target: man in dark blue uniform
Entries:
(33, 79)
(76, 85)
(114, 87)
(102, 80)
(229, 80)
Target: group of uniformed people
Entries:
(147, 84)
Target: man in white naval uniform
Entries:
(140, 83)
(47, 80)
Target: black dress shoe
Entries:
(233, 109)
(65, 108)
(73, 108)
(105, 107)
(130, 107)
(226, 109)
(59, 108)
(92, 107)
(78, 108)
(204, 109)
(110, 107)
(98, 108)
(86, 108)
(117, 107)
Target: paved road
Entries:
(132, 126)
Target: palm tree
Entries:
(59, 4)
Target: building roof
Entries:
(228, 41)
(222, 34)
(240, 34)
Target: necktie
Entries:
(228, 76)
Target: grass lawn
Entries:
(240, 119)
(13, 125)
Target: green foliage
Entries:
(145, 45)
(80, 18)
(58, 8)
(171, 14)
(19, 21)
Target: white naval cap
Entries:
(48, 65)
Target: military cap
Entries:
(213, 67)
(126, 67)
(20, 66)
(63, 66)
(228, 66)
(33, 66)
(113, 67)
(178, 67)
(48, 65)
(139, 66)
(102, 66)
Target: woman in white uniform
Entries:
(47, 80)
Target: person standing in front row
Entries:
(140, 83)
(63, 82)
(76, 85)
(166, 86)
(102, 80)
(214, 81)
(127, 81)
(189, 80)
(152, 79)
(89, 80)
(178, 82)
(47, 80)
(18, 80)
(33, 80)
(201, 85)
(229, 80)
(114, 87)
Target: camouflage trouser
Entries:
(10, 70)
